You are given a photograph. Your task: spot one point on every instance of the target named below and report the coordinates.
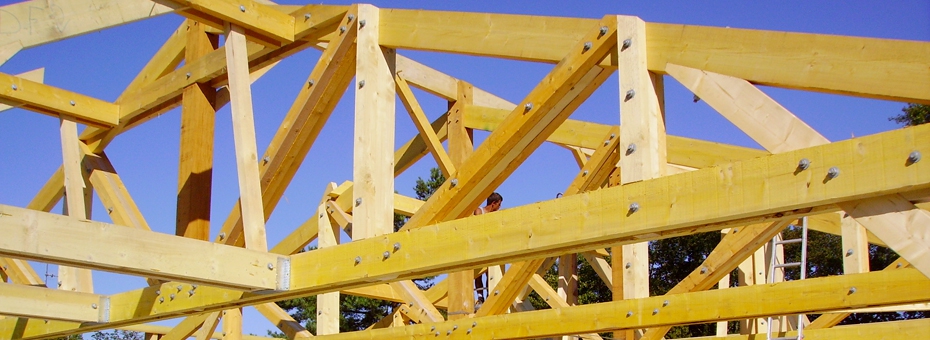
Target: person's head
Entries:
(494, 202)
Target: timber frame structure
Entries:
(635, 183)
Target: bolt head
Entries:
(14, 87)
(193, 286)
(630, 94)
(628, 265)
(634, 207)
(310, 82)
(912, 158)
(665, 303)
(432, 328)
(454, 327)
(584, 173)
(361, 23)
(496, 292)
(93, 305)
(161, 299)
(222, 236)
(630, 149)
(386, 254)
(361, 83)
(307, 16)
(474, 324)
(180, 288)
(351, 17)
(655, 311)
(629, 314)
(587, 46)
(468, 331)
(852, 290)
(454, 182)
(342, 29)
(849, 252)
(73, 103)
(171, 296)
(358, 259)
(603, 31)
(703, 270)
(528, 106)
(242, 8)
(448, 332)
(833, 172)
(804, 163)
(188, 74)
(396, 246)
(358, 201)
(627, 43)
(157, 292)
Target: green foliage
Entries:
(425, 188)
(913, 114)
(117, 334)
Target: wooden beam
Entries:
(250, 192)
(461, 288)
(301, 126)
(110, 248)
(232, 324)
(208, 327)
(327, 304)
(855, 247)
(195, 164)
(828, 320)
(900, 224)
(37, 22)
(9, 50)
(423, 126)
(753, 301)
(53, 304)
(417, 304)
(37, 75)
(740, 53)
(260, 22)
(53, 101)
(592, 218)
(747, 107)
(69, 278)
(20, 272)
(186, 328)
(415, 148)
(374, 130)
(911, 329)
(526, 128)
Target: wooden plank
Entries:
(423, 126)
(373, 161)
(301, 126)
(523, 131)
(747, 107)
(757, 301)
(596, 170)
(260, 22)
(53, 101)
(461, 288)
(415, 148)
(250, 192)
(37, 75)
(828, 320)
(195, 164)
(110, 248)
(44, 303)
(281, 319)
(69, 278)
(37, 22)
(327, 304)
(573, 223)
(762, 57)
(900, 224)
(911, 329)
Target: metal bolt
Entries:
(628, 265)
(432, 328)
(310, 83)
(630, 149)
(833, 172)
(584, 173)
(454, 182)
(497, 292)
(361, 23)
(468, 331)
(242, 8)
(222, 236)
(351, 17)
(849, 252)
(474, 324)
(899, 265)
(270, 266)
(852, 290)
(361, 83)
(655, 311)
(603, 31)
(157, 292)
(735, 230)
(180, 288)
(396, 246)
(528, 106)
(634, 207)
(454, 327)
(914, 157)
(161, 299)
(386, 255)
(629, 314)
(358, 259)
(695, 99)
(703, 270)
(448, 332)
(612, 136)
(110, 210)
(342, 29)
(191, 292)
(358, 201)
(171, 296)
(804, 163)
(73, 103)
(93, 305)
(193, 286)
(587, 46)
(266, 159)
(606, 142)
(665, 303)
(14, 87)
(307, 16)
(437, 333)
(626, 44)
(630, 94)
(188, 74)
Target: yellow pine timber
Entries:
(911, 329)
(161, 330)
(44, 303)
(762, 57)
(70, 278)
(208, 327)
(53, 101)
(50, 193)
(418, 304)
(423, 126)
(460, 290)
(37, 22)
(522, 131)
(596, 170)
(260, 22)
(109, 247)
(600, 266)
(855, 246)
(20, 272)
(747, 107)
(828, 320)
(250, 193)
(186, 327)
(701, 307)
(8, 50)
(415, 148)
(37, 75)
(904, 227)
(327, 304)
(301, 126)
(574, 223)
(516, 277)
(232, 324)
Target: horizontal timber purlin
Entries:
(752, 191)
(816, 62)
(751, 301)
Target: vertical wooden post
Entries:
(195, 166)
(373, 171)
(327, 305)
(461, 146)
(70, 278)
(642, 149)
(240, 95)
(855, 246)
(232, 324)
(568, 282)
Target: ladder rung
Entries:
(794, 240)
(792, 264)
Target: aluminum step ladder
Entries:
(773, 265)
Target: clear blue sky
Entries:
(102, 64)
